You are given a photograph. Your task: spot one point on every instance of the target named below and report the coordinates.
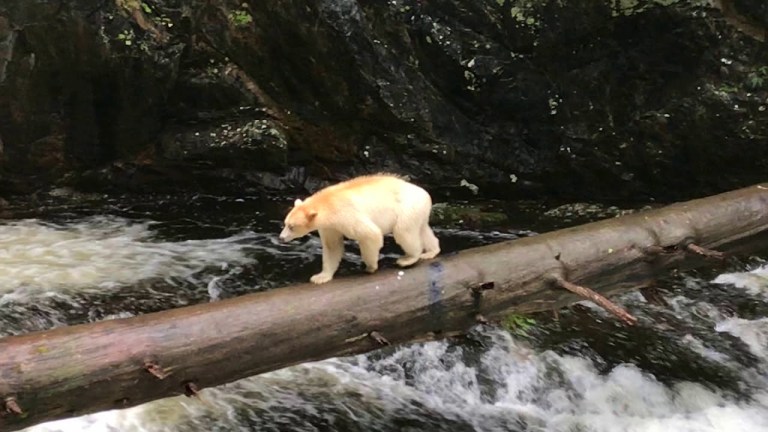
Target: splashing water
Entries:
(495, 382)
(509, 386)
(754, 282)
(101, 253)
(540, 391)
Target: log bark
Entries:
(71, 371)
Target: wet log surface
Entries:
(71, 371)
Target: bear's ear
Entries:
(297, 202)
(312, 215)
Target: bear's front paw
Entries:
(321, 278)
(371, 269)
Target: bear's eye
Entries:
(289, 226)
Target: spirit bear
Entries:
(365, 209)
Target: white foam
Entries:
(754, 282)
(545, 390)
(754, 333)
(510, 387)
(39, 258)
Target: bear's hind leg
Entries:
(430, 242)
(409, 240)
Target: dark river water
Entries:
(700, 364)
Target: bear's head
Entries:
(299, 222)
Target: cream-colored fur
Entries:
(365, 209)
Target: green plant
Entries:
(518, 324)
(126, 36)
(163, 21)
(240, 18)
(757, 79)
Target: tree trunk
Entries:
(71, 371)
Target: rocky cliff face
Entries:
(588, 99)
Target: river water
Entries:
(699, 364)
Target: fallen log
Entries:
(71, 371)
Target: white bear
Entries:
(365, 209)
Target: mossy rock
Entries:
(448, 214)
(587, 211)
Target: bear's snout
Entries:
(285, 235)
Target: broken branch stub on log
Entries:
(595, 298)
(71, 371)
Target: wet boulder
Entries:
(79, 87)
(581, 99)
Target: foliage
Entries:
(518, 324)
(757, 79)
(240, 18)
(126, 36)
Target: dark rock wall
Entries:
(581, 99)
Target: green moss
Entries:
(727, 88)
